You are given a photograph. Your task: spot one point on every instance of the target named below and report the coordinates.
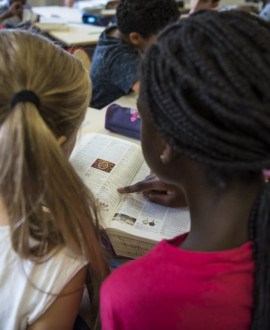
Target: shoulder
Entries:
(51, 277)
(115, 61)
(130, 276)
(63, 259)
(169, 280)
(131, 290)
(167, 261)
(114, 46)
(62, 312)
(154, 259)
(30, 288)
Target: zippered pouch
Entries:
(124, 121)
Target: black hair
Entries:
(206, 84)
(146, 17)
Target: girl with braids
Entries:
(49, 237)
(205, 108)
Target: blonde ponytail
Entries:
(48, 206)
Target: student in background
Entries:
(196, 5)
(49, 237)
(116, 58)
(18, 13)
(204, 104)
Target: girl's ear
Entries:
(135, 38)
(168, 155)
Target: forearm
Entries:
(69, 3)
(5, 15)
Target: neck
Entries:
(115, 33)
(3, 214)
(219, 219)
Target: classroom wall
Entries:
(37, 3)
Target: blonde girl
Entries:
(49, 237)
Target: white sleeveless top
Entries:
(22, 303)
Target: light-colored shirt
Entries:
(22, 283)
(28, 16)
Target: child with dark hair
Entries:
(204, 103)
(116, 57)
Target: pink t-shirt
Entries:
(171, 288)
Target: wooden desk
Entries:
(66, 14)
(128, 101)
(108, 12)
(77, 33)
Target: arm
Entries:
(136, 86)
(62, 313)
(124, 69)
(157, 191)
(15, 9)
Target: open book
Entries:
(133, 224)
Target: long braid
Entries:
(206, 84)
(261, 233)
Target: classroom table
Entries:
(75, 33)
(128, 101)
(67, 14)
(78, 35)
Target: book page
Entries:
(105, 163)
(142, 218)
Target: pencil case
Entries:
(124, 121)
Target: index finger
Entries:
(137, 187)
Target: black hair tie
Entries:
(25, 96)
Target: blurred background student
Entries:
(117, 55)
(18, 12)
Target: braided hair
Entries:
(206, 84)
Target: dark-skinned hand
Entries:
(157, 191)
